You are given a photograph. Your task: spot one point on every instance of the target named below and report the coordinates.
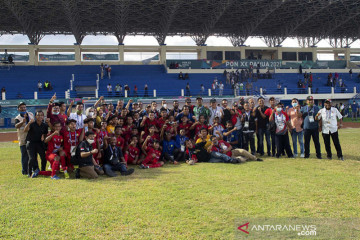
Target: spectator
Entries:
(186, 76)
(117, 90)
(187, 90)
(109, 89)
(102, 71)
(135, 91)
(146, 94)
(3, 90)
(221, 89)
(109, 72)
(181, 76)
(202, 89)
(350, 72)
(354, 109)
(39, 86)
(10, 59)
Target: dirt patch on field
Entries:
(8, 136)
(351, 125)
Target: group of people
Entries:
(106, 138)
(120, 90)
(105, 70)
(47, 86)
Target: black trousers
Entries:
(34, 148)
(282, 143)
(178, 156)
(248, 138)
(335, 138)
(314, 133)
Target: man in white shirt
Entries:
(215, 111)
(329, 125)
(221, 89)
(78, 115)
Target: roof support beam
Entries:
(237, 41)
(74, 20)
(200, 39)
(306, 42)
(273, 41)
(21, 14)
(166, 21)
(341, 42)
(121, 19)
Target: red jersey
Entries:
(120, 142)
(100, 136)
(54, 144)
(148, 123)
(268, 112)
(71, 139)
(151, 151)
(151, 141)
(133, 152)
(198, 127)
(221, 146)
(160, 123)
(185, 126)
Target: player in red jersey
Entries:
(72, 138)
(54, 150)
(120, 141)
(132, 151)
(153, 155)
(199, 125)
(147, 122)
(186, 125)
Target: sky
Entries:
(19, 39)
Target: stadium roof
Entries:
(274, 20)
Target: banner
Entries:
(100, 57)
(207, 64)
(18, 58)
(56, 57)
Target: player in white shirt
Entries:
(329, 126)
(215, 111)
(78, 115)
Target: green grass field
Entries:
(178, 201)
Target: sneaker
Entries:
(77, 173)
(319, 157)
(55, 177)
(234, 161)
(259, 160)
(128, 172)
(302, 155)
(190, 162)
(49, 168)
(295, 155)
(35, 173)
(66, 174)
(329, 157)
(142, 166)
(341, 158)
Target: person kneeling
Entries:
(87, 165)
(114, 160)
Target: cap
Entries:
(188, 100)
(213, 100)
(328, 100)
(310, 98)
(21, 103)
(272, 98)
(199, 98)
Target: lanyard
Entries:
(328, 114)
(112, 152)
(70, 138)
(214, 111)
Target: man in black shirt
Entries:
(249, 127)
(262, 121)
(114, 159)
(37, 131)
(87, 163)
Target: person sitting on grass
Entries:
(190, 152)
(152, 159)
(169, 152)
(114, 160)
(180, 144)
(88, 168)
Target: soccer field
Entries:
(202, 201)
